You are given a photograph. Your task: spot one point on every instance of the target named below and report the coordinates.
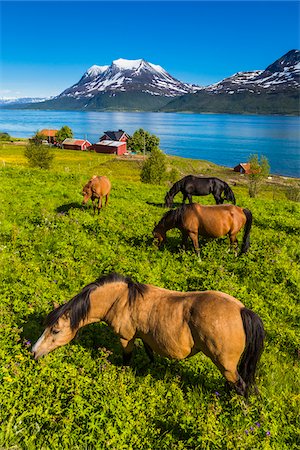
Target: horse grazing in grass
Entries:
(191, 185)
(95, 189)
(209, 221)
(173, 324)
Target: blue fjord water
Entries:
(221, 138)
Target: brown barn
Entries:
(111, 147)
(243, 168)
(76, 144)
(50, 134)
(119, 136)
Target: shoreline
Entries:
(139, 157)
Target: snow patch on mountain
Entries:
(127, 76)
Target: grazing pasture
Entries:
(80, 396)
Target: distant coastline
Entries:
(225, 139)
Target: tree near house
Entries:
(154, 170)
(142, 140)
(260, 169)
(64, 133)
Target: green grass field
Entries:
(80, 396)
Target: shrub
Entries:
(38, 155)
(5, 137)
(293, 192)
(259, 171)
(154, 170)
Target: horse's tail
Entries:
(229, 193)
(255, 335)
(172, 192)
(246, 237)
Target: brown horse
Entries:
(95, 189)
(209, 221)
(173, 324)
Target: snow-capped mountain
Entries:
(21, 101)
(282, 75)
(125, 75)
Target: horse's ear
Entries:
(56, 305)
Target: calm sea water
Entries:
(220, 138)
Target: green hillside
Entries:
(80, 396)
(121, 101)
(237, 103)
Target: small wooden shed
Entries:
(76, 144)
(50, 135)
(110, 147)
(243, 168)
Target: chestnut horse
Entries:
(173, 324)
(95, 189)
(209, 221)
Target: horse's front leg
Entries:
(234, 243)
(194, 237)
(106, 199)
(184, 240)
(128, 346)
(218, 199)
(189, 196)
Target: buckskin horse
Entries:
(173, 324)
(95, 189)
(191, 185)
(211, 221)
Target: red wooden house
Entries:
(111, 147)
(76, 144)
(50, 135)
(243, 168)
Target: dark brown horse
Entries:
(95, 189)
(209, 221)
(173, 324)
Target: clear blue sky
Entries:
(47, 46)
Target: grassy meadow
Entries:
(80, 396)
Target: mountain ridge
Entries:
(138, 85)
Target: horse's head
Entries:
(55, 335)
(159, 235)
(229, 195)
(168, 201)
(87, 193)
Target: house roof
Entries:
(70, 141)
(47, 133)
(111, 143)
(115, 135)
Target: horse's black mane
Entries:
(79, 306)
(174, 216)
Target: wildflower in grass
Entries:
(257, 424)
(251, 428)
(268, 433)
(247, 432)
(27, 343)
(217, 394)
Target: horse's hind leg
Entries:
(229, 370)
(106, 199)
(100, 204)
